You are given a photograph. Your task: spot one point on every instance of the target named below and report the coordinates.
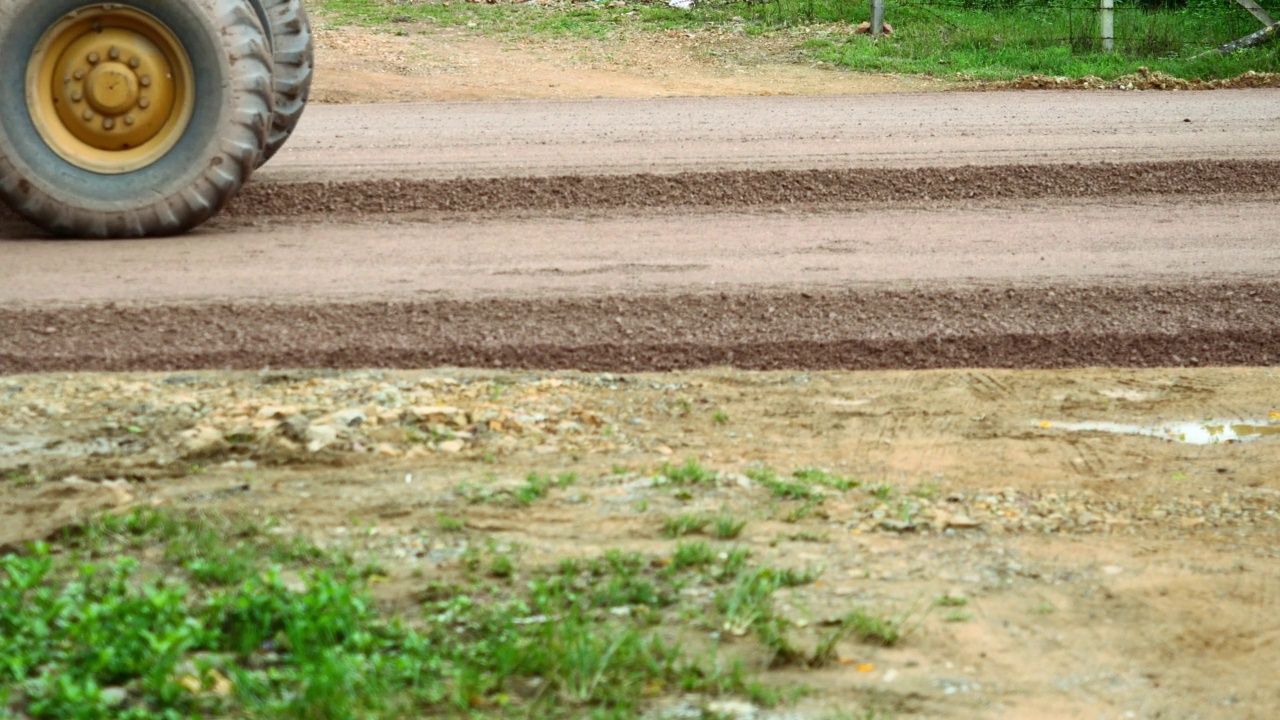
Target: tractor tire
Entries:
(130, 118)
(294, 53)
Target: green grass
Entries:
(818, 476)
(860, 624)
(690, 473)
(692, 555)
(686, 524)
(950, 601)
(451, 524)
(123, 618)
(727, 527)
(1002, 44)
(977, 39)
(587, 20)
(535, 487)
(807, 485)
(785, 489)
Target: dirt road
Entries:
(1016, 229)
(447, 140)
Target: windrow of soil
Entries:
(928, 326)
(746, 189)
(754, 189)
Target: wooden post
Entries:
(877, 18)
(1254, 9)
(1108, 25)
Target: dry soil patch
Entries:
(1101, 574)
(355, 65)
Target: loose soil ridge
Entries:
(741, 189)
(1050, 326)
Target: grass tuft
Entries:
(690, 473)
(681, 525)
(727, 527)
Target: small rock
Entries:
(439, 414)
(295, 428)
(349, 418)
(320, 437)
(451, 446)
(113, 696)
(277, 412)
(900, 526)
(201, 441)
(736, 709)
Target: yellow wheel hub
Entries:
(110, 89)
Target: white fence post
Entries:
(877, 17)
(1108, 25)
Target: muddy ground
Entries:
(1102, 574)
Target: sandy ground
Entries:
(426, 63)
(1106, 572)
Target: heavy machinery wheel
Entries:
(129, 118)
(294, 54)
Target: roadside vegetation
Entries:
(969, 40)
(162, 615)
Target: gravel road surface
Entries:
(1046, 229)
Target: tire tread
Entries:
(294, 55)
(176, 210)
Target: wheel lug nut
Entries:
(128, 119)
(78, 74)
(93, 58)
(88, 115)
(144, 103)
(114, 53)
(77, 96)
(108, 124)
(134, 63)
(145, 81)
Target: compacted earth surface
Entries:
(967, 543)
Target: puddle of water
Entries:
(1192, 432)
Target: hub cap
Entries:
(110, 89)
